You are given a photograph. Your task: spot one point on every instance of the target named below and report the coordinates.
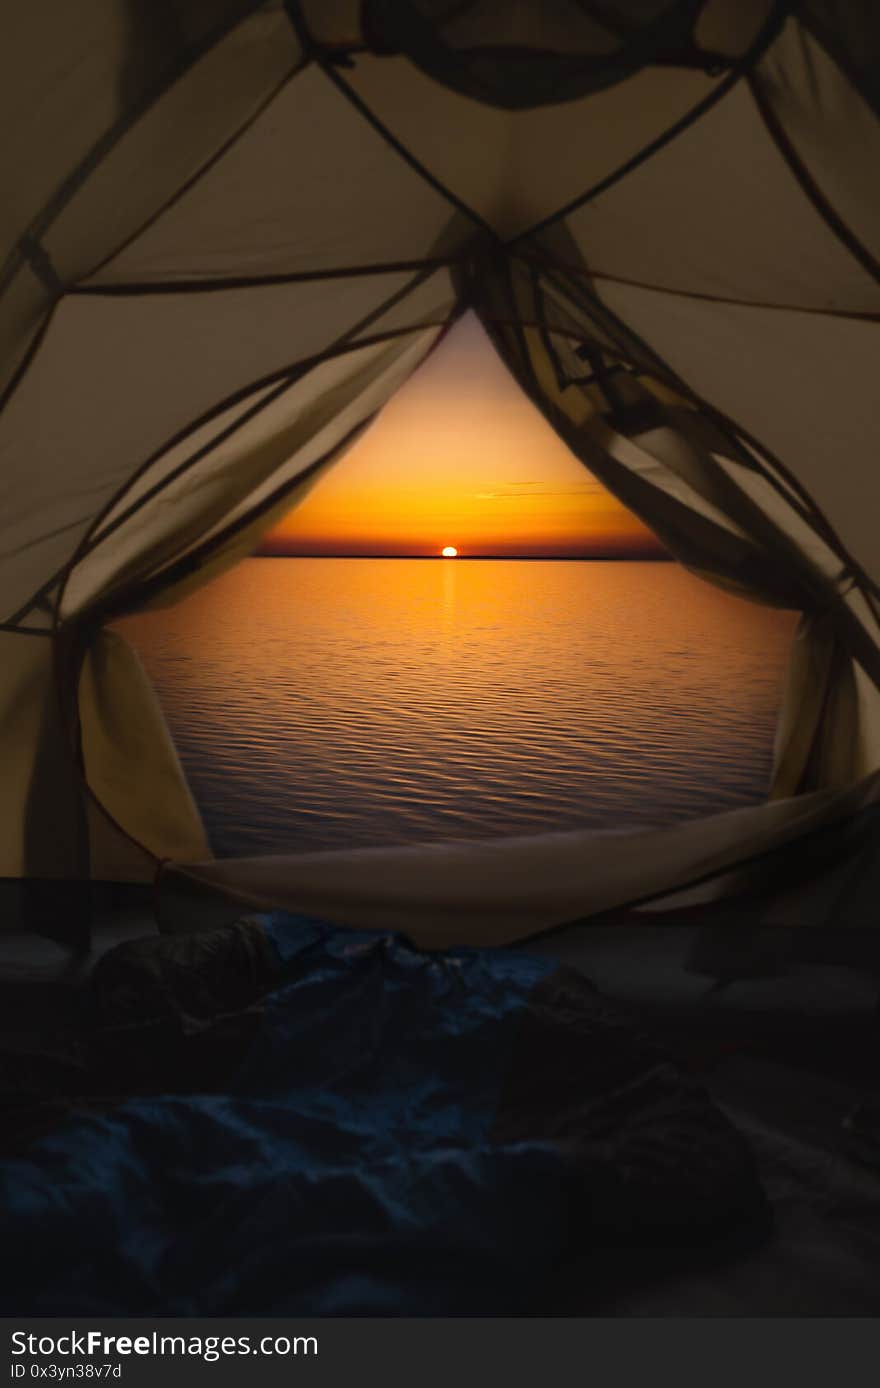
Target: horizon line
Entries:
(651, 558)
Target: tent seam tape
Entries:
(61, 289)
(766, 35)
(212, 284)
(195, 178)
(294, 12)
(868, 315)
(808, 185)
(111, 137)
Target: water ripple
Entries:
(325, 703)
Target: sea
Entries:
(328, 703)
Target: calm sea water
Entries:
(320, 703)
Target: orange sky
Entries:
(460, 457)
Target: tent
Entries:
(234, 227)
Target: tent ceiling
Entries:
(230, 223)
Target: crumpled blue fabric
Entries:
(347, 1168)
(287, 1117)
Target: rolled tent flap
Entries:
(499, 891)
(131, 767)
(234, 233)
(829, 727)
(87, 750)
(734, 530)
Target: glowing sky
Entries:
(460, 457)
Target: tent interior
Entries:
(630, 1071)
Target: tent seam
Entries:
(195, 178)
(213, 284)
(303, 33)
(855, 315)
(767, 34)
(111, 137)
(808, 184)
(57, 286)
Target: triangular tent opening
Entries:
(344, 689)
(235, 234)
(461, 455)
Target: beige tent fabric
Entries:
(734, 240)
(830, 125)
(507, 166)
(121, 398)
(130, 762)
(112, 113)
(496, 892)
(829, 730)
(232, 234)
(283, 443)
(130, 765)
(800, 383)
(305, 175)
(668, 474)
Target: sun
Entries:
(449, 552)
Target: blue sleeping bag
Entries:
(286, 1117)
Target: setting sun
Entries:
(461, 451)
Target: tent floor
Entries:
(788, 1055)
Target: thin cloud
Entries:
(514, 492)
